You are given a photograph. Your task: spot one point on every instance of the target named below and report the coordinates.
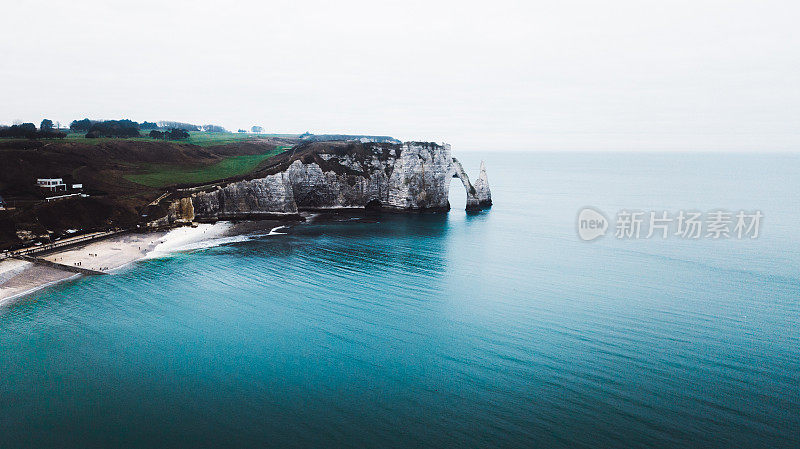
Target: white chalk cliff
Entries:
(332, 175)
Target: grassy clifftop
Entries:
(162, 175)
(121, 176)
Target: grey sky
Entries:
(500, 75)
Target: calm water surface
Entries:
(500, 329)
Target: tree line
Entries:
(29, 131)
(127, 128)
(164, 129)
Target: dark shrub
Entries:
(176, 134)
(114, 128)
(81, 125)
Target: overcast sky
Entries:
(499, 75)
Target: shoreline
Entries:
(20, 278)
(8, 300)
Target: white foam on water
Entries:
(202, 237)
(191, 238)
(274, 231)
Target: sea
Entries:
(502, 328)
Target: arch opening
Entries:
(457, 196)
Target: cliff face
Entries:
(268, 195)
(331, 175)
(421, 178)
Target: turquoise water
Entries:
(499, 329)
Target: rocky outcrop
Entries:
(179, 211)
(330, 175)
(482, 191)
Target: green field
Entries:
(157, 175)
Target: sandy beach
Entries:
(19, 277)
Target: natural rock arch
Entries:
(479, 196)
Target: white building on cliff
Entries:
(52, 184)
